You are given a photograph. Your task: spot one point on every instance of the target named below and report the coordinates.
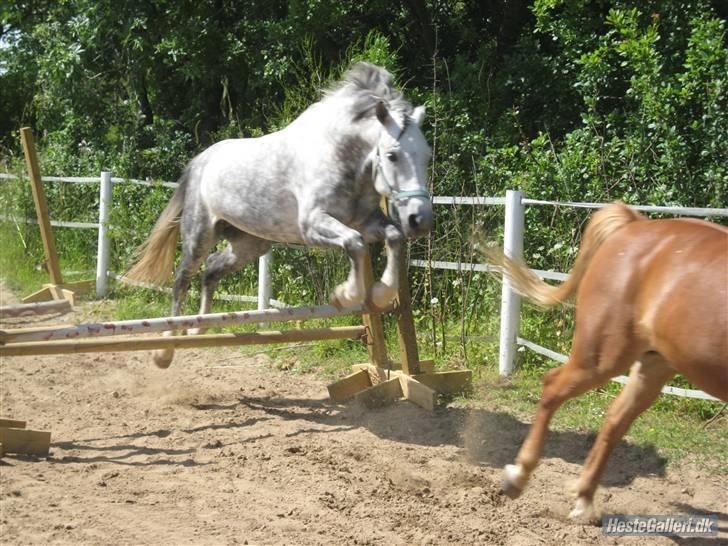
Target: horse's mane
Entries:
(366, 84)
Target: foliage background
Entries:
(566, 100)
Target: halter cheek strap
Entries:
(392, 194)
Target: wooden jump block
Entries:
(421, 389)
(448, 382)
(11, 423)
(417, 392)
(348, 386)
(58, 292)
(18, 439)
(380, 395)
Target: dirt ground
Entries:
(225, 449)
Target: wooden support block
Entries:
(79, 287)
(380, 395)
(2, 451)
(65, 291)
(27, 442)
(44, 294)
(417, 392)
(447, 382)
(12, 423)
(348, 386)
(378, 375)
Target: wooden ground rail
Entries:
(32, 309)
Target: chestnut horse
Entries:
(651, 295)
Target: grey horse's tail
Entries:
(153, 261)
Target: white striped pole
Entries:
(162, 324)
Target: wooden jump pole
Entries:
(181, 342)
(162, 324)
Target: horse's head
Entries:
(400, 169)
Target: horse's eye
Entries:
(392, 157)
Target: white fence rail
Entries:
(514, 203)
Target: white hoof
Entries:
(196, 331)
(514, 480)
(343, 298)
(382, 295)
(584, 512)
(163, 357)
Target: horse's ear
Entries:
(419, 115)
(382, 113)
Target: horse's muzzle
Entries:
(415, 217)
(418, 224)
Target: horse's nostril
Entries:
(414, 220)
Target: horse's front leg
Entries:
(380, 227)
(323, 230)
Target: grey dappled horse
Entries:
(318, 182)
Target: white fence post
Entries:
(104, 246)
(264, 288)
(510, 301)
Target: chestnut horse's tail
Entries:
(602, 224)
(153, 261)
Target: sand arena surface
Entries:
(228, 449)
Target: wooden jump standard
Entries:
(56, 289)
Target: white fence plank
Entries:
(553, 355)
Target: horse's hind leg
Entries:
(645, 383)
(198, 238)
(242, 249)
